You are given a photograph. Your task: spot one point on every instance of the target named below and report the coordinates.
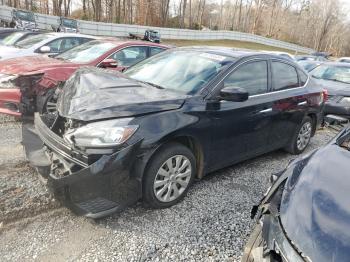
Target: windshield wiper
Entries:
(152, 84)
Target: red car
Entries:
(27, 84)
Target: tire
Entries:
(301, 137)
(164, 194)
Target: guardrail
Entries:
(123, 30)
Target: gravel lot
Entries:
(211, 224)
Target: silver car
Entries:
(50, 43)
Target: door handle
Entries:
(302, 103)
(266, 110)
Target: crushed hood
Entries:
(29, 64)
(92, 94)
(315, 209)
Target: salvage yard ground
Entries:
(211, 224)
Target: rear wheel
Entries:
(302, 137)
(168, 176)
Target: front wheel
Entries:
(302, 137)
(169, 176)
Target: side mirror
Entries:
(109, 63)
(45, 49)
(234, 94)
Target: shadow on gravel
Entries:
(22, 194)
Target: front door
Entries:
(242, 128)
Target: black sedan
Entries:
(305, 216)
(335, 78)
(170, 119)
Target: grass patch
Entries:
(227, 43)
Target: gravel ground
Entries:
(211, 224)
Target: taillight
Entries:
(325, 95)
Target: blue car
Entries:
(305, 216)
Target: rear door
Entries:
(290, 103)
(241, 128)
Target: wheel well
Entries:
(190, 143)
(196, 149)
(314, 122)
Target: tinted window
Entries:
(284, 76)
(130, 55)
(87, 52)
(302, 77)
(155, 50)
(63, 44)
(252, 77)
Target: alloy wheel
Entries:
(304, 136)
(172, 178)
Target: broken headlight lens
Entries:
(102, 134)
(6, 81)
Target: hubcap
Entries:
(172, 178)
(304, 136)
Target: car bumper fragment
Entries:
(9, 101)
(267, 241)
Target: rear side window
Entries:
(251, 76)
(155, 50)
(284, 76)
(302, 77)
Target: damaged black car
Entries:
(148, 133)
(305, 216)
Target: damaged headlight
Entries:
(6, 81)
(102, 134)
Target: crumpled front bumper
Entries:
(92, 189)
(10, 99)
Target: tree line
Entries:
(318, 24)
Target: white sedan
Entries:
(49, 43)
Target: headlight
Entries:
(6, 81)
(345, 101)
(102, 134)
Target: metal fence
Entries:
(122, 30)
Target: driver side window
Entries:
(130, 55)
(251, 76)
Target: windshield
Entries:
(69, 23)
(182, 71)
(87, 52)
(31, 41)
(332, 72)
(27, 16)
(12, 38)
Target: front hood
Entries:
(92, 94)
(29, 64)
(8, 52)
(334, 88)
(315, 209)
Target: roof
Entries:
(121, 41)
(56, 34)
(231, 52)
(337, 64)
